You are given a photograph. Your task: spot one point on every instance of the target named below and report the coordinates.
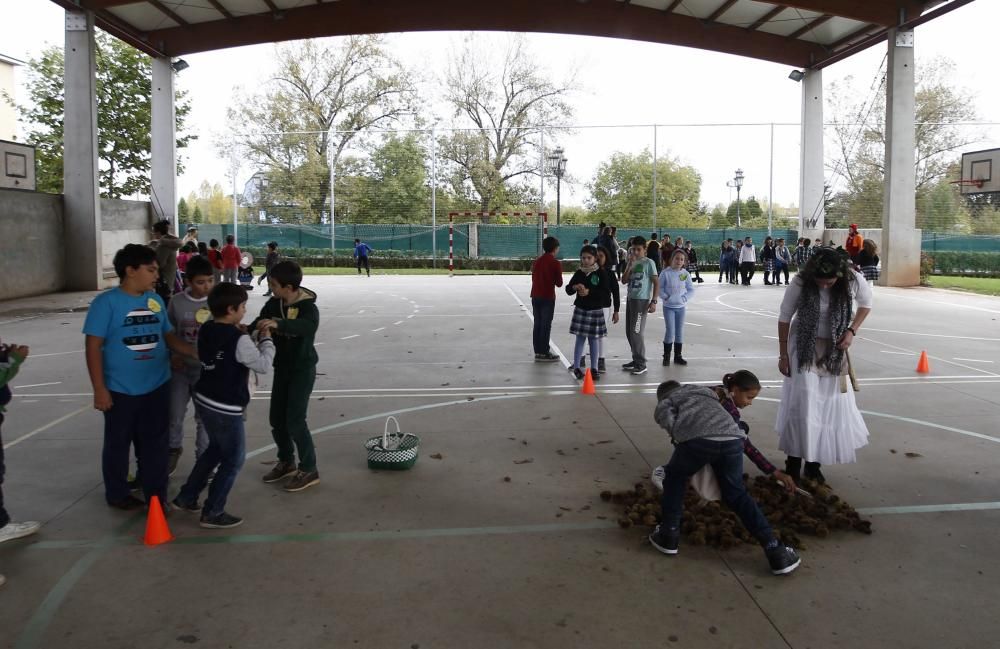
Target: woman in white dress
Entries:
(822, 310)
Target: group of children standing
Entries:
(148, 359)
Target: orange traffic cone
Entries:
(923, 366)
(588, 383)
(157, 531)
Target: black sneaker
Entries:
(175, 455)
(666, 541)
(783, 559)
(185, 507)
(628, 367)
(639, 370)
(280, 471)
(595, 376)
(128, 504)
(577, 372)
(302, 480)
(539, 358)
(545, 358)
(600, 366)
(221, 521)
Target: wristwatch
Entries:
(853, 332)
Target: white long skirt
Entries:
(816, 421)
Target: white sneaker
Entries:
(12, 531)
(657, 478)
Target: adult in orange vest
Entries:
(854, 242)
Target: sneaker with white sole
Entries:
(280, 471)
(657, 477)
(666, 541)
(628, 367)
(302, 480)
(782, 559)
(221, 521)
(639, 370)
(12, 531)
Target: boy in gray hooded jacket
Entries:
(703, 432)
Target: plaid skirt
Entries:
(870, 272)
(692, 267)
(768, 265)
(588, 323)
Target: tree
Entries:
(184, 212)
(323, 94)
(398, 177)
(124, 90)
(859, 137)
(196, 216)
(509, 105)
(622, 192)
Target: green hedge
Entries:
(953, 262)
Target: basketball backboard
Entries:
(980, 172)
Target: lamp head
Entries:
(179, 65)
(796, 75)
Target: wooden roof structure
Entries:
(799, 33)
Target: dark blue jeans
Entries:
(543, 310)
(142, 421)
(4, 517)
(726, 460)
(226, 450)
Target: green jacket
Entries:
(8, 371)
(297, 325)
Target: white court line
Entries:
(379, 329)
(954, 304)
(531, 317)
(46, 426)
(409, 316)
(78, 351)
(771, 337)
(38, 385)
(398, 322)
(928, 509)
(889, 351)
(937, 358)
(732, 331)
(972, 360)
(349, 337)
(318, 344)
(926, 335)
(691, 324)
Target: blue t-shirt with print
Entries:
(136, 360)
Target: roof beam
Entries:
(607, 18)
(715, 15)
(808, 27)
(880, 12)
(222, 10)
(98, 5)
(166, 11)
(673, 5)
(853, 36)
(766, 18)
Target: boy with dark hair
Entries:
(231, 257)
(127, 335)
(653, 251)
(361, 253)
(215, 256)
(11, 358)
(187, 312)
(546, 274)
(292, 317)
(166, 246)
(640, 277)
(703, 432)
(221, 396)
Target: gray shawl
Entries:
(808, 325)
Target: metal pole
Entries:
(654, 176)
(333, 199)
(434, 179)
(541, 172)
(451, 245)
(739, 222)
(770, 200)
(235, 208)
(558, 195)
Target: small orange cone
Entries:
(157, 531)
(588, 384)
(923, 366)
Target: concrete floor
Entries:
(451, 554)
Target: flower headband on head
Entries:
(831, 264)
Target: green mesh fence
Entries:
(934, 242)
(404, 238)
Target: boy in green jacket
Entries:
(11, 357)
(292, 317)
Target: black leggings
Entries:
(363, 261)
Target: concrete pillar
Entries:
(163, 144)
(812, 184)
(82, 198)
(900, 254)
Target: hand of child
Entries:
(582, 290)
(784, 367)
(265, 324)
(785, 480)
(614, 318)
(102, 400)
(845, 340)
(21, 351)
(652, 307)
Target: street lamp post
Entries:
(557, 163)
(737, 182)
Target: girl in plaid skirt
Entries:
(592, 286)
(868, 261)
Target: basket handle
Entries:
(385, 433)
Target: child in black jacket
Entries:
(592, 286)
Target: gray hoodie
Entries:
(693, 411)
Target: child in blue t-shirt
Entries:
(127, 336)
(361, 253)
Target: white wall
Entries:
(8, 118)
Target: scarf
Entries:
(588, 269)
(808, 321)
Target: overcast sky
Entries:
(623, 83)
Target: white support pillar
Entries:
(900, 254)
(163, 144)
(812, 182)
(81, 190)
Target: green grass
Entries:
(981, 285)
(406, 271)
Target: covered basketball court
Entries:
(498, 536)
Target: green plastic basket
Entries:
(392, 451)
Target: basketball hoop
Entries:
(969, 182)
